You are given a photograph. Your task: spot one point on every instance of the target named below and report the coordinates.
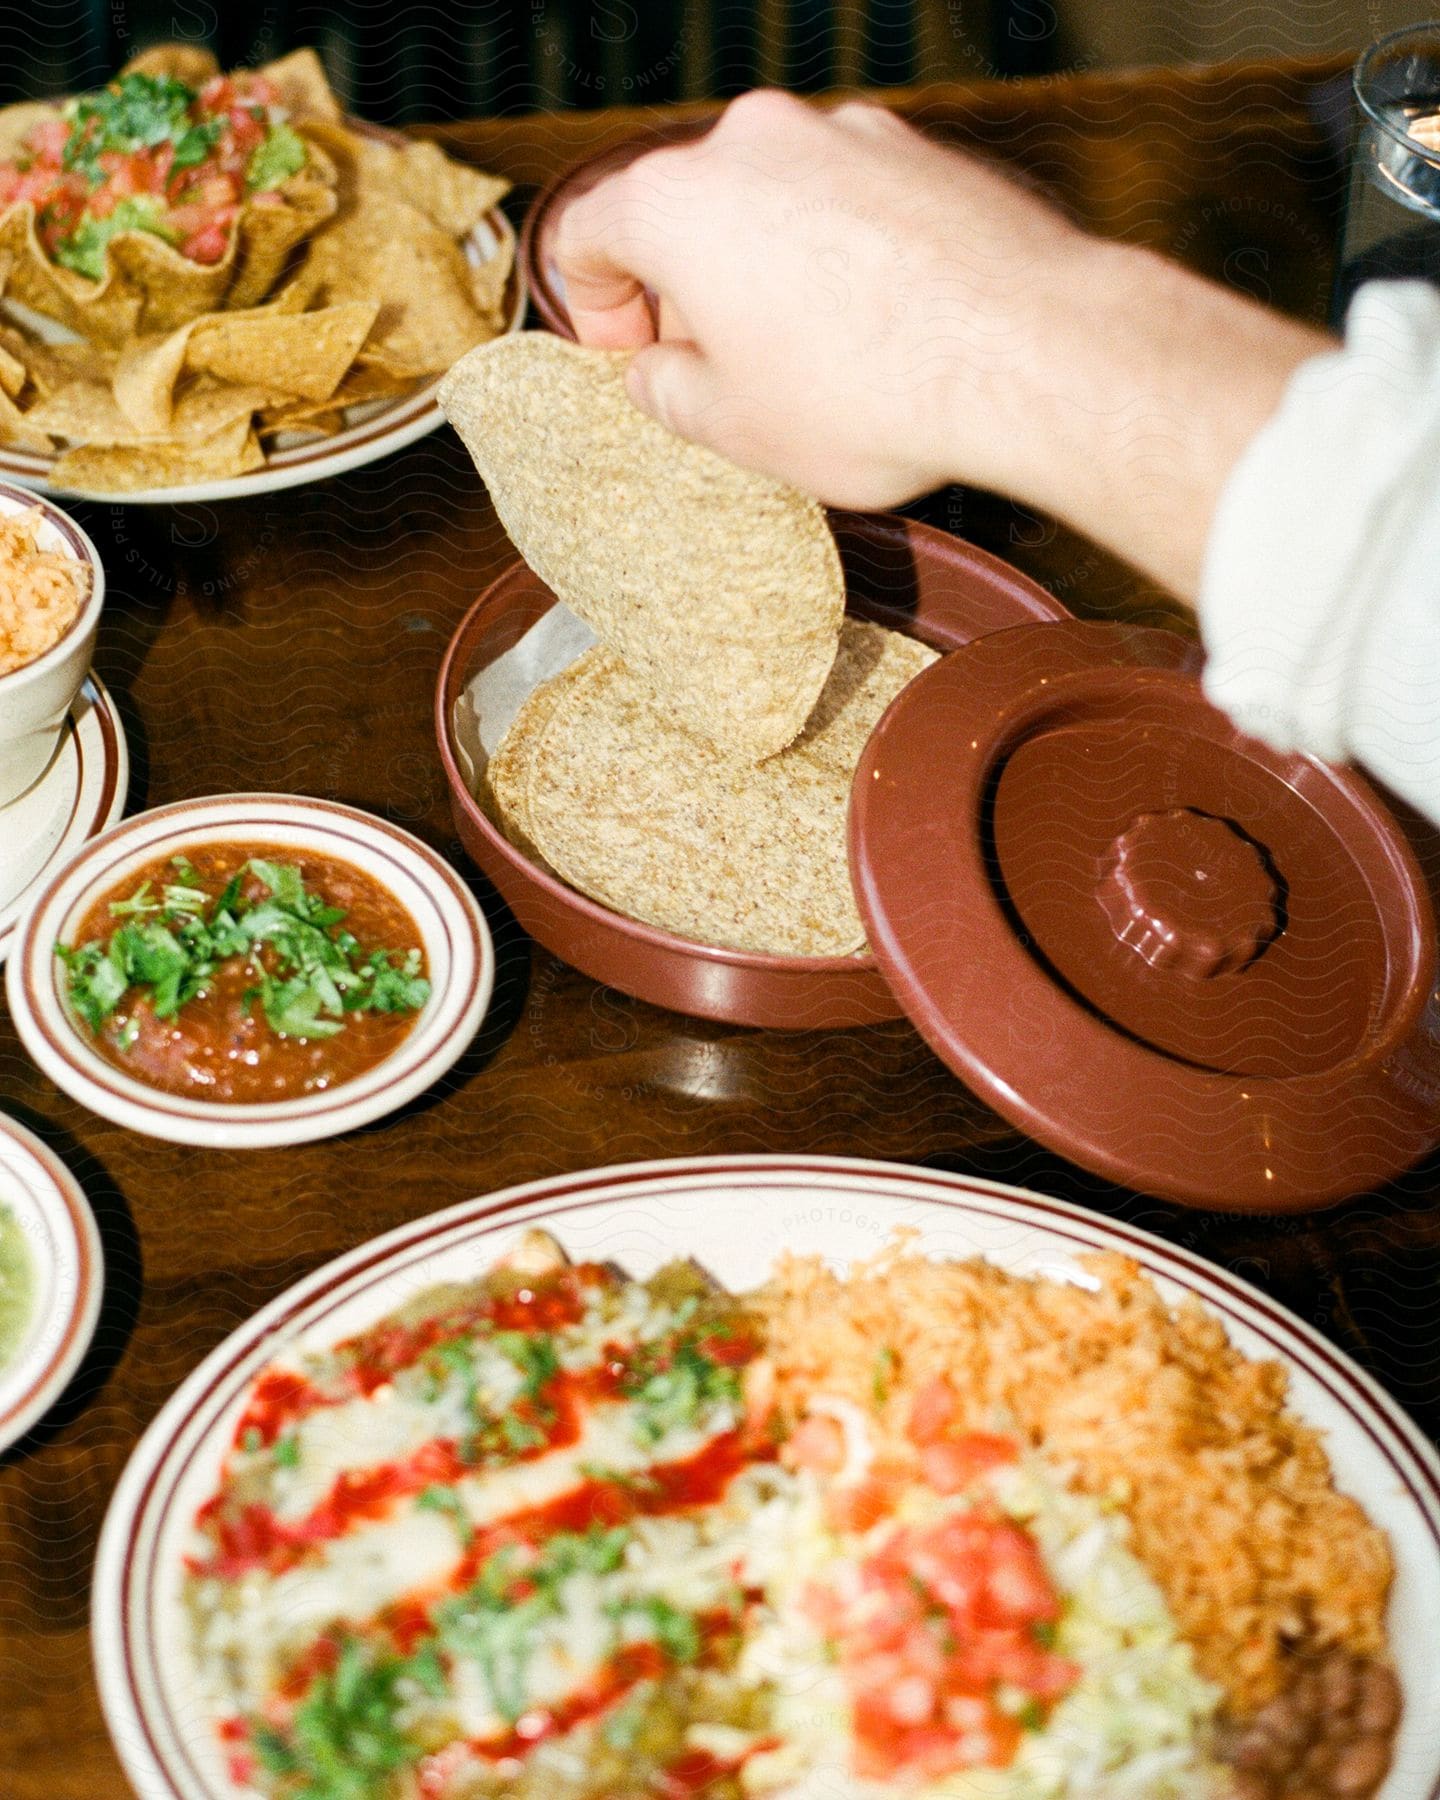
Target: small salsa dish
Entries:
(252, 970)
(51, 1278)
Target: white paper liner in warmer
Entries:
(488, 703)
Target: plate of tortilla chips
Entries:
(218, 284)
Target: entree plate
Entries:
(372, 429)
(81, 794)
(735, 1216)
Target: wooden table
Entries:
(292, 643)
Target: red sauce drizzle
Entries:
(697, 1771)
(258, 1538)
(698, 1480)
(548, 1303)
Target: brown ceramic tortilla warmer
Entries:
(1195, 966)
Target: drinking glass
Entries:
(1392, 210)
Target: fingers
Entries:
(674, 384)
(871, 121)
(607, 245)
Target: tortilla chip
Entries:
(360, 387)
(189, 63)
(719, 586)
(145, 377)
(108, 310)
(17, 122)
(320, 422)
(19, 430)
(53, 366)
(88, 413)
(303, 84)
(291, 353)
(120, 469)
(450, 194)
(14, 372)
(389, 251)
(272, 225)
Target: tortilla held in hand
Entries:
(719, 588)
(649, 818)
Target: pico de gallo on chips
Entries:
(151, 153)
(200, 269)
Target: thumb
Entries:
(676, 385)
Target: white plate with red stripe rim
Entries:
(80, 794)
(459, 953)
(67, 1269)
(371, 430)
(735, 1215)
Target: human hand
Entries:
(867, 315)
(843, 303)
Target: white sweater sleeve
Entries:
(1320, 596)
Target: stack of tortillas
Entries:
(692, 770)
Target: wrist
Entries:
(1133, 388)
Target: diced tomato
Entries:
(935, 1410)
(860, 1505)
(217, 95)
(935, 1623)
(951, 1466)
(48, 139)
(817, 1444)
(246, 130)
(204, 239)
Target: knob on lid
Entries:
(1194, 965)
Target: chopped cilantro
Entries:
(194, 145)
(686, 1386)
(172, 946)
(677, 1633)
(446, 1500)
(533, 1354)
(136, 112)
(141, 901)
(496, 1622)
(276, 160)
(345, 1740)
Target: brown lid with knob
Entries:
(1199, 967)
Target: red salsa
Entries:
(245, 973)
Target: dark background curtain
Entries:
(454, 58)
